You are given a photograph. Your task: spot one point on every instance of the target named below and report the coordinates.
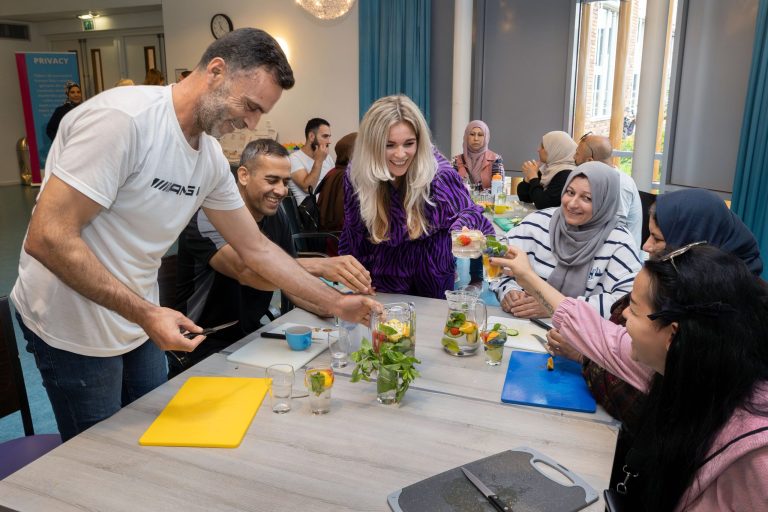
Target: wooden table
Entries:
(344, 460)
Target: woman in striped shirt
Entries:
(577, 247)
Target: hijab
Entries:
(574, 247)
(686, 216)
(560, 150)
(474, 160)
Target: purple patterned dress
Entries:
(424, 266)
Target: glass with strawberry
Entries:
(319, 381)
(467, 243)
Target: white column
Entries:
(462, 71)
(650, 89)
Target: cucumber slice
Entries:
(512, 332)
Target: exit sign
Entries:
(87, 24)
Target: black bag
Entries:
(309, 213)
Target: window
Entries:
(605, 57)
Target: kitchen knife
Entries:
(209, 330)
(489, 495)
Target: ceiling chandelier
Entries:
(326, 9)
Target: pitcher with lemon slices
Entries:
(319, 381)
(466, 317)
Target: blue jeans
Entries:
(84, 390)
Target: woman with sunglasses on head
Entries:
(676, 219)
(578, 247)
(543, 180)
(695, 340)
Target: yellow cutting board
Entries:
(209, 412)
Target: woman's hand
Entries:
(530, 169)
(515, 264)
(559, 346)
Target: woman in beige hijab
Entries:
(543, 180)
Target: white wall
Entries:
(324, 57)
(12, 116)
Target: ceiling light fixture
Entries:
(89, 16)
(326, 9)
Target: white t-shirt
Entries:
(125, 150)
(300, 160)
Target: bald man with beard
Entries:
(598, 148)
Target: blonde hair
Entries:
(369, 173)
(123, 81)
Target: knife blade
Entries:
(489, 495)
(545, 344)
(210, 330)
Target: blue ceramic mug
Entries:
(299, 337)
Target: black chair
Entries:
(17, 453)
(646, 200)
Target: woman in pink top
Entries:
(696, 339)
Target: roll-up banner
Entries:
(42, 79)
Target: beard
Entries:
(212, 110)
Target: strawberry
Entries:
(464, 240)
(455, 331)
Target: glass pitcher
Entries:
(467, 316)
(397, 325)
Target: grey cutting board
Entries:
(510, 474)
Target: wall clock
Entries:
(221, 25)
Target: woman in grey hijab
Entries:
(577, 247)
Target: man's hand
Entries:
(341, 269)
(357, 308)
(530, 169)
(321, 152)
(164, 327)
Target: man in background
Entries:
(215, 287)
(311, 163)
(598, 148)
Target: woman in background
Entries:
(154, 77)
(543, 181)
(477, 163)
(402, 199)
(74, 98)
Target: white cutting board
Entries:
(524, 340)
(263, 352)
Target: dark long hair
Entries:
(719, 353)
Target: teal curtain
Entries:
(750, 186)
(394, 50)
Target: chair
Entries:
(166, 280)
(17, 453)
(646, 200)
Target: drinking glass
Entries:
(495, 248)
(493, 344)
(281, 388)
(339, 345)
(319, 381)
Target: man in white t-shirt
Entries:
(312, 162)
(126, 172)
(598, 148)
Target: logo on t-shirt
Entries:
(175, 188)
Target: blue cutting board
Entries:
(529, 383)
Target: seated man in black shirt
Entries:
(215, 287)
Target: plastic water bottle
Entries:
(497, 184)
